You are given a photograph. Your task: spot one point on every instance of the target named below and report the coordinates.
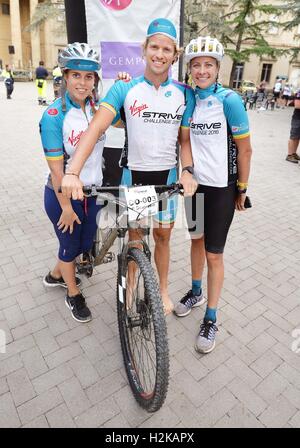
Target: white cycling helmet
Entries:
(204, 46)
(79, 56)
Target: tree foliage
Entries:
(293, 7)
(241, 26)
(45, 11)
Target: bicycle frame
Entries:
(141, 319)
(119, 231)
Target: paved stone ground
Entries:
(59, 373)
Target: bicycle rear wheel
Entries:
(143, 331)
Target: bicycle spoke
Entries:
(145, 356)
(143, 333)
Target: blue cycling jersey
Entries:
(153, 118)
(61, 132)
(219, 118)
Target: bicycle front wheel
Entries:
(143, 330)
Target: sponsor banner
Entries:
(117, 28)
(119, 57)
(116, 5)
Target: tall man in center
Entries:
(157, 112)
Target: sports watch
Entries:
(190, 169)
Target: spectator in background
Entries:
(8, 81)
(41, 74)
(295, 131)
(286, 94)
(262, 87)
(57, 81)
(277, 91)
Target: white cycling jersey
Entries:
(219, 118)
(153, 119)
(61, 132)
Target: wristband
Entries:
(242, 185)
(71, 174)
(189, 169)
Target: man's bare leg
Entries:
(134, 235)
(161, 237)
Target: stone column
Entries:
(35, 39)
(48, 30)
(16, 35)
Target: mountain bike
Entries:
(141, 319)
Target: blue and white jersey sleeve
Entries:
(52, 135)
(115, 97)
(236, 115)
(190, 106)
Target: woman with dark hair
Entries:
(61, 127)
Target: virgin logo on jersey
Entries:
(134, 109)
(74, 139)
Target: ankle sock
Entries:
(196, 287)
(211, 314)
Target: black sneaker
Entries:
(292, 158)
(206, 339)
(188, 301)
(78, 307)
(50, 281)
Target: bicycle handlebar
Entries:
(106, 189)
(94, 189)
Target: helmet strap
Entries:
(96, 94)
(216, 84)
(63, 91)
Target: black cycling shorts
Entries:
(216, 207)
(167, 208)
(295, 129)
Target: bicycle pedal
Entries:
(84, 269)
(109, 257)
(89, 271)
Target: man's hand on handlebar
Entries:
(71, 187)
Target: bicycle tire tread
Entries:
(160, 329)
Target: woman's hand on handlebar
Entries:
(67, 220)
(71, 187)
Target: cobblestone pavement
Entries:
(59, 373)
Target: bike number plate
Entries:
(141, 202)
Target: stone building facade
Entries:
(264, 68)
(24, 49)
